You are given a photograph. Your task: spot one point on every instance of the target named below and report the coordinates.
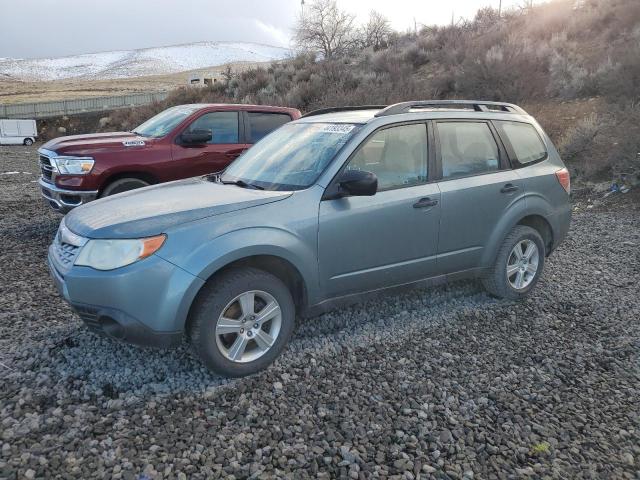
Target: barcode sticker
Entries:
(338, 128)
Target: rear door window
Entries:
(223, 125)
(467, 148)
(263, 123)
(525, 144)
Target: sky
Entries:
(54, 28)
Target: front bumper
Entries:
(63, 200)
(145, 303)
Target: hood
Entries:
(151, 210)
(96, 142)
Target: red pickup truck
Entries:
(181, 142)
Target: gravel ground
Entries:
(442, 383)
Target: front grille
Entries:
(65, 252)
(66, 247)
(46, 168)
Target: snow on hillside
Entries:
(135, 63)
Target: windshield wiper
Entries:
(241, 183)
(140, 134)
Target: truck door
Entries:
(226, 145)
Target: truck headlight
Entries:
(111, 254)
(74, 165)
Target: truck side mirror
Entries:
(196, 137)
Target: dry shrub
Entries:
(580, 137)
(621, 81)
(623, 155)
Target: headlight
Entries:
(74, 165)
(110, 254)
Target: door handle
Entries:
(508, 188)
(425, 202)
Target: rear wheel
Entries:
(242, 321)
(123, 185)
(28, 142)
(518, 265)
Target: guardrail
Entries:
(82, 105)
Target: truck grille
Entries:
(46, 168)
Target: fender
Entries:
(537, 204)
(510, 218)
(557, 216)
(529, 204)
(211, 257)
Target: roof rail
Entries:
(342, 109)
(478, 106)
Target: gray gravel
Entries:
(442, 383)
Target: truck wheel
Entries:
(518, 265)
(123, 185)
(28, 142)
(241, 322)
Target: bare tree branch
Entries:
(377, 31)
(326, 29)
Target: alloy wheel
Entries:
(248, 326)
(522, 264)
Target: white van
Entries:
(18, 132)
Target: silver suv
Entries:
(324, 211)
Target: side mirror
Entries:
(196, 137)
(354, 183)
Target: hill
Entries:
(141, 62)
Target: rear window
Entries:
(526, 144)
(263, 123)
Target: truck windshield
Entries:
(290, 158)
(164, 122)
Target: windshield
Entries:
(290, 158)
(164, 122)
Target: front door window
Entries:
(397, 155)
(223, 125)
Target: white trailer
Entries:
(18, 132)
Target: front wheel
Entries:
(123, 185)
(518, 265)
(241, 322)
(28, 142)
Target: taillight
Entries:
(565, 179)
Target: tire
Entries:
(498, 283)
(216, 340)
(123, 185)
(28, 142)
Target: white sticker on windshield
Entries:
(338, 128)
(133, 143)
